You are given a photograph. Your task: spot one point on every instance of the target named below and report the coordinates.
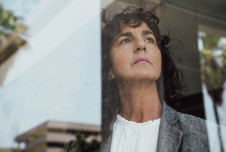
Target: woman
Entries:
(134, 55)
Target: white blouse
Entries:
(130, 136)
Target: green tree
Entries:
(81, 145)
(213, 73)
(12, 33)
(210, 42)
(213, 67)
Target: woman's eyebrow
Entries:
(146, 32)
(127, 34)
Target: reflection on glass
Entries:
(213, 75)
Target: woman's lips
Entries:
(141, 60)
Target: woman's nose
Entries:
(140, 46)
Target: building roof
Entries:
(60, 126)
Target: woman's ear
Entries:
(111, 74)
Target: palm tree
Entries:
(213, 73)
(12, 33)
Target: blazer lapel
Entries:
(170, 135)
(107, 146)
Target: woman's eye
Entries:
(125, 41)
(149, 40)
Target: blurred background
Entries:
(49, 74)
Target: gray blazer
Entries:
(178, 132)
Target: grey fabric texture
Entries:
(177, 132)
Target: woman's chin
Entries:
(144, 77)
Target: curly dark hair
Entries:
(172, 76)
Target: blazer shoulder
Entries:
(192, 120)
(195, 133)
(193, 125)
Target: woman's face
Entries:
(135, 54)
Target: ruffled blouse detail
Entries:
(130, 136)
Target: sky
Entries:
(57, 75)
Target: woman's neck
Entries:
(139, 101)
